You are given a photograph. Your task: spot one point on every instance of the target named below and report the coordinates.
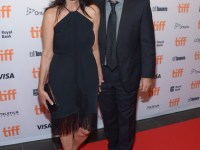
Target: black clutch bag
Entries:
(53, 107)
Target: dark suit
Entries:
(136, 60)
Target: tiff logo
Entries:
(197, 55)
(181, 41)
(6, 55)
(195, 84)
(174, 102)
(40, 110)
(179, 26)
(36, 32)
(183, 8)
(176, 73)
(159, 25)
(159, 59)
(36, 72)
(5, 11)
(30, 11)
(11, 131)
(8, 95)
(199, 25)
(154, 92)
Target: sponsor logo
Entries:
(199, 25)
(33, 12)
(197, 40)
(176, 73)
(35, 54)
(153, 107)
(174, 102)
(157, 8)
(192, 99)
(35, 73)
(194, 71)
(8, 95)
(9, 114)
(5, 11)
(179, 26)
(176, 58)
(35, 92)
(175, 88)
(197, 55)
(195, 84)
(40, 110)
(7, 76)
(159, 25)
(6, 55)
(183, 8)
(36, 32)
(157, 76)
(43, 126)
(159, 43)
(6, 34)
(180, 41)
(11, 131)
(154, 91)
(159, 59)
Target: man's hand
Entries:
(145, 84)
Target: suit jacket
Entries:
(135, 42)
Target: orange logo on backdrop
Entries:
(181, 41)
(159, 25)
(5, 11)
(6, 55)
(183, 8)
(36, 72)
(11, 131)
(40, 110)
(197, 55)
(159, 59)
(154, 92)
(36, 32)
(199, 25)
(174, 102)
(195, 84)
(176, 73)
(8, 95)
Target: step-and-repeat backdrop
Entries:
(177, 87)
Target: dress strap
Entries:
(72, 11)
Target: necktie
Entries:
(111, 55)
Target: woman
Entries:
(71, 60)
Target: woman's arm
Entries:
(47, 54)
(96, 21)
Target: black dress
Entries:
(73, 75)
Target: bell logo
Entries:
(11, 131)
(181, 41)
(36, 32)
(5, 11)
(40, 110)
(195, 84)
(6, 55)
(183, 8)
(159, 25)
(159, 59)
(36, 72)
(174, 102)
(199, 25)
(154, 92)
(176, 73)
(197, 55)
(8, 95)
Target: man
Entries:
(127, 49)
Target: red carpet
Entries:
(180, 136)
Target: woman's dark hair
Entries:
(61, 4)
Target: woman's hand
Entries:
(43, 97)
(100, 81)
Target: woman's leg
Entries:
(67, 142)
(79, 137)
